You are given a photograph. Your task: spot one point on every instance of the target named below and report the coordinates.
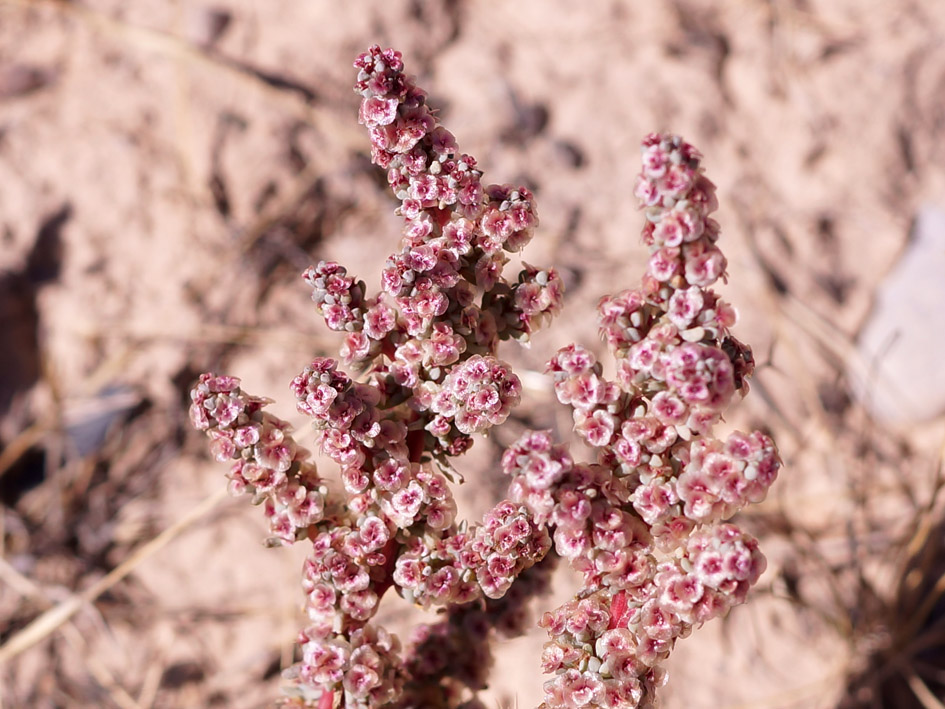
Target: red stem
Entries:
(415, 444)
(327, 700)
(619, 610)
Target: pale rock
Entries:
(901, 374)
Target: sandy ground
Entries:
(167, 169)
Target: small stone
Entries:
(900, 377)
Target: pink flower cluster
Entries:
(476, 395)
(678, 369)
(644, 604)
(342, 578)
(677, 199)
(645, 523)
(346, 413)
(721, 478)
(366, 663)
(607, 648)
(456, 229)
(483, 560)
(376, 466)
(583, 503)
(337, 297)
(268, 462)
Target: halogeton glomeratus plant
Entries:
(644, 523)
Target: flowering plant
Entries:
(644, 524)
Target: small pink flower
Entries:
(405, 504)
(664, 264)
(675, 182)
(710, 568)
(571, 542)
(652, 650)
(390, 475)
(359, 604)
(374, 533)
(581, 689)
(682, 593)
(573, 508)
(325, 659)
(423, 188)
(488, 270)
(597, 429)
(378, 111)
(627, 451)
(702, 375)
(354, 480)
(572, 360)
(654, 500)
(583, 391)
(439, 426)
(615, 641)
(379, 320)
(442, 583)
(685, 306)
(275, 451)
(408, 573)
(321, 597)
(440, 514)
(360, 680)
(669, 409)
(704, 263)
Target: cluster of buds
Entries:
(645, 523)
(678, 368)
(483, 560)
(476, 395)
(266, 461)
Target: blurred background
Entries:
(168, 169)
